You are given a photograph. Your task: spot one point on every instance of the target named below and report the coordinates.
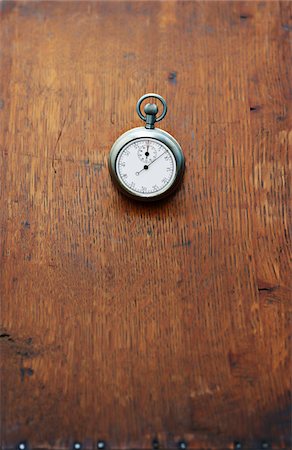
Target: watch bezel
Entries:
(160, 135)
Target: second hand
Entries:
(146, 167)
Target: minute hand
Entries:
(146, 167)
(157, 158)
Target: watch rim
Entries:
(160, 135)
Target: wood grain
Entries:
(122, 321)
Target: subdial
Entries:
(147, 153)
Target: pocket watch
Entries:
(147, 163)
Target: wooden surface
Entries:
(122, 321)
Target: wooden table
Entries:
(121, 322)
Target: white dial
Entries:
(146, 152)
(146, 167)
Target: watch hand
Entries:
(156, 158)
(147, 151)
(146, 167)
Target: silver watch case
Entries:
(159, 135)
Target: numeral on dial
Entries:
(146, 167)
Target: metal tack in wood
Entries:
(101, 444)
(182, 445)
(77, 446)
(22, 446)
(155, 444)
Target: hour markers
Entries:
(146, 167)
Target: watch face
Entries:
(146, 167)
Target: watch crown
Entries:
(150, 110)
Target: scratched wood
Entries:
(125, 322)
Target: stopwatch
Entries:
(147, 163)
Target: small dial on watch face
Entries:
(146, 152)
(146, 167)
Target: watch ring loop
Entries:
(138, 106)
